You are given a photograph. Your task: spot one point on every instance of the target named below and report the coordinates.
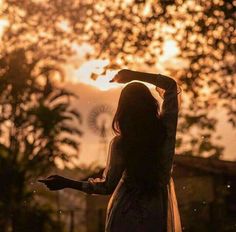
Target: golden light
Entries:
(3, 24)
(170, 50)
(64, 26)
(205, 91)
(147, 8)
(97, 67)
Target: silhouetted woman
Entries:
(138, 170)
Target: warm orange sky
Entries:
(89, 97)
(92, 93)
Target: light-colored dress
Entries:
(128, 210)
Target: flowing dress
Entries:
(128, 210)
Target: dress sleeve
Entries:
(111, 175)
(169, 116)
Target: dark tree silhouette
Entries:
(37, 125)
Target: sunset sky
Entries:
(90, 97)
(93, 93)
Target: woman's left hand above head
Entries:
(55, 182)
(123, 76)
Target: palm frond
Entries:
(61, 93)
(70, 142)
(75, 114)
(71, 130)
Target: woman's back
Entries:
(139, 164)
(138, 125)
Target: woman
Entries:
(138, 170)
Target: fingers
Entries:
(52, 176)
(46, 182)
(52, 182)
(114, 79)
(42, 181)
(51, 185)
(122, 77)
(48, 178)
(91, 180)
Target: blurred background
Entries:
(56, 104)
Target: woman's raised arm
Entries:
(169, 113)
(169, 116)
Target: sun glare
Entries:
(102, 77)
(94, 72)
(170, 50)
(3, 24)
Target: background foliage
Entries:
(35, 131)
(131, 34)
(36, 119)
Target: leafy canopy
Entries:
(132, 33)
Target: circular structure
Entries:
(99, 119)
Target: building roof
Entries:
(195, 163)
(210, 165)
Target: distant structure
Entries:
(206, 192)
(99, 121)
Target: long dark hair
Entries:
(137, 122)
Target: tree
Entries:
(35, 131)
(132, 33)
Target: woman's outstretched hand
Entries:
(55, 182)
(123, 76)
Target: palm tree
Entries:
(37, 125)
